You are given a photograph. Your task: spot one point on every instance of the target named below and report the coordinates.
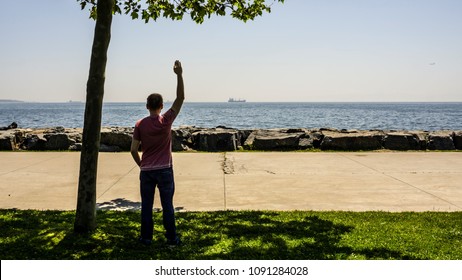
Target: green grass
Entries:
(237, 235)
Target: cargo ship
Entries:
(236, 100)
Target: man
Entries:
(155, 136)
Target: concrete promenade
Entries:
(353, 181)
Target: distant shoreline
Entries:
(10, 101)
(242, 103)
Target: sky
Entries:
(303, 51)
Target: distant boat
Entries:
(236, 100)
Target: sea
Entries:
(249, 115)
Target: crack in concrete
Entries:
(227, 165)
(225, 169)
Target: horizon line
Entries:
(169, 101)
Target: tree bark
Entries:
(85, 218)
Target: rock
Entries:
(185, 138)
(120, 137)
(181, 139)
(13, 125)
(401, 141)
(58, 141)
(177, 145)
(421, 137)
(294, 130)
(214, 140)
(273, 139)
(34, 142)
(440, 140)
(74, 134)
(457, 138)
(248, 143)
(224, 127)
(243, 135)
(352, 141)
(305, 143)
(7, 141)
(76, 147)
(52, 130)
(12, 139)
(310, 139)
(317, 137)
(19, 135)
(322, 129)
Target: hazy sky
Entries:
(325, 50)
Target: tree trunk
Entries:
(85, 218)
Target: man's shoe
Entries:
(145, 241)
(174, 242)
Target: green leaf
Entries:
(117, 9)
(176, 9)
(93, 13)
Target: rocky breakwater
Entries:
(116, 139)
(57, 138)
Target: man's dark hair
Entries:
(155, 101)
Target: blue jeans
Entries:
(164, 181)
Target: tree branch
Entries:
(198, 10)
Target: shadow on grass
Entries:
(206, 235)
(275, 235)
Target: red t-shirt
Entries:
(155, 134)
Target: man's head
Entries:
(155, 102)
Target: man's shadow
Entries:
(122, 204)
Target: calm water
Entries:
(419, 116)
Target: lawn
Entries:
(237, 235)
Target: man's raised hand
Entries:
(177, 68)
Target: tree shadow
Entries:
(273, 235)
(206, 235)
(33, 234)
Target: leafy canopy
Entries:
(176, 9)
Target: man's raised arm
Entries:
(180, 87)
